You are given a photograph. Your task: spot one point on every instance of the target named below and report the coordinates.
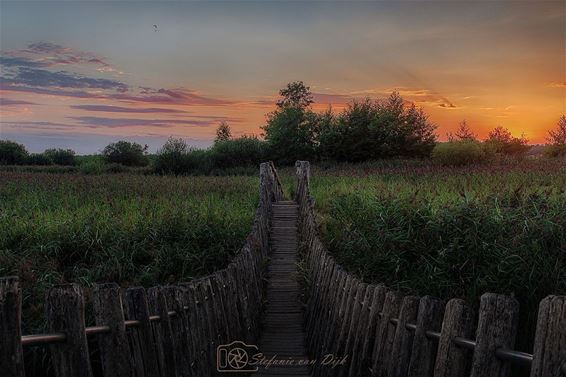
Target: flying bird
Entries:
(155, 28)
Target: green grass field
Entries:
(415, 226)
(450, 232)
(130, 229)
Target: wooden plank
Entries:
(114, 348)
(398, 364)
(11, 354)
(497, 327)
(358, 325)
(162, 332)
(199, 336)
(368, 340)
(180, 332)
(385, 334)
(65, 314)
(549, 355)
(138, 309)
(452, 360)
(423, 354)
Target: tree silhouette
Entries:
(295, 94)
(223, 132)
(558, 136)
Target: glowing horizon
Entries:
(79, 75)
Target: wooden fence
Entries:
(166, 331)
(386, 334)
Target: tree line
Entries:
(365, 130)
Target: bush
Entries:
(12, 153)
(92, 166)
(38, 159)
(126, 153)
(60, 156)
(241, 152)
(176, 157)
(457, 153)
(369, 130)
(555, 150)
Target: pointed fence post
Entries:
(497, 327)
(162, 332)
(549, 355)
(385, 334)
(403, 342)
(11, 354)
(114, 347)
(138, 309)
(431, 311)
(452, 360)
(65, 314)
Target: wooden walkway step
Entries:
(283, 331)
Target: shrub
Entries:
(60, 156)
(12, 153)
(368, 130)
(38, 159)
(241, 152)
(126, 153)
(175, 157)
(502, 142)
(555, 150)
(458, 153)
(92, 166)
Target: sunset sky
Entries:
(82, 74)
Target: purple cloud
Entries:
(10, 61)
(52, 54)
(61, 79)
(39, 125)
(119, 109)
(27, 71)
(14, 102)
(99, 122)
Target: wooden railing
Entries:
(166, 331)
(386, 334)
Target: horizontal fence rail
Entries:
(165, 331)
(386, 334)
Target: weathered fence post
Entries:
(403, 341)
(162, 332)
(549, 355)
(367, 343)
(178, 325)
(11, 354)
(497, 326)
(114, 348)
(423, 356)
(452, 360)
(384, 334)
(65, 314)
(358, 327)
(138, 309)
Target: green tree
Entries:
(291, 130)
(369, 129)
(557, 140)
(558, 136)
(174, 157)
(295, 94)
(126, 153)
(501, 141)
(223, 132)
(12, 153)
(464, 133)
(60, 156)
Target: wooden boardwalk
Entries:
(283, 332)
